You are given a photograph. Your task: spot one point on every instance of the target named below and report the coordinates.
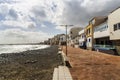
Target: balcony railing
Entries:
(104, 47)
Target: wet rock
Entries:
(31, 61)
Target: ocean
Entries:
(20, 48)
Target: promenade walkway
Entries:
(62, 73)
(92, 65)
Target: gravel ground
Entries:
(92, 65)
(29, 65)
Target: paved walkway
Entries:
(62, 73)
(92, 65)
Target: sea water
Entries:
(20, 48)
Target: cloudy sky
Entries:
(28, 21)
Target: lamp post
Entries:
(66, 35)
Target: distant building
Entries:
(62, 39)
(48, 41)
(74, 32)
(69, 40)
(52, 41)
(82, 39)
(45, 42)
(76, 41)
(56, 40)
(114, 27)
(73, 36)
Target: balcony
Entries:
(104, 47)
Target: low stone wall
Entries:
(76, 46)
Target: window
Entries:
(62, 39)
(101, 28)
(115, 27)
(102, 42)
(106, 26)
(119, 25)
(89, 40)
(88, 31)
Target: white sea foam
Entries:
(20, 48)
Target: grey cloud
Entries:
(13, 14)
(77, 14)
(14, 33)
(39, 15)
(39, 11)
(7, 1)
(4, 1)
(31, 26)
(74, 13)
(21, 36)
(3, 11)
(7, 13)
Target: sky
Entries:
(33, 21)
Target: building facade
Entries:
(102, 35)
(114, 26)
(90, 30)
(82, 39)
(89, 36)
(76, 41)
(62, 39)
(102, 40)
(73, 35)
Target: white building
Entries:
(89, 43)
(62, 39)
(82, 42)
(102, 36)
(72, 36)
(70, 40)
(101, 31)
(90, 30)
(114, 26)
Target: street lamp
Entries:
(66, 35)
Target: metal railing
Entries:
(106, 47)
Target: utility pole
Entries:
(66, 35)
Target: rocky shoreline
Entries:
(29, 65)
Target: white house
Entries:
(114, 24)
(73, 34)
(114, 27)
(82, 42)
(62, 40)
(89, 42)
(90, 30)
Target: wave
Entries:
(20, 48)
